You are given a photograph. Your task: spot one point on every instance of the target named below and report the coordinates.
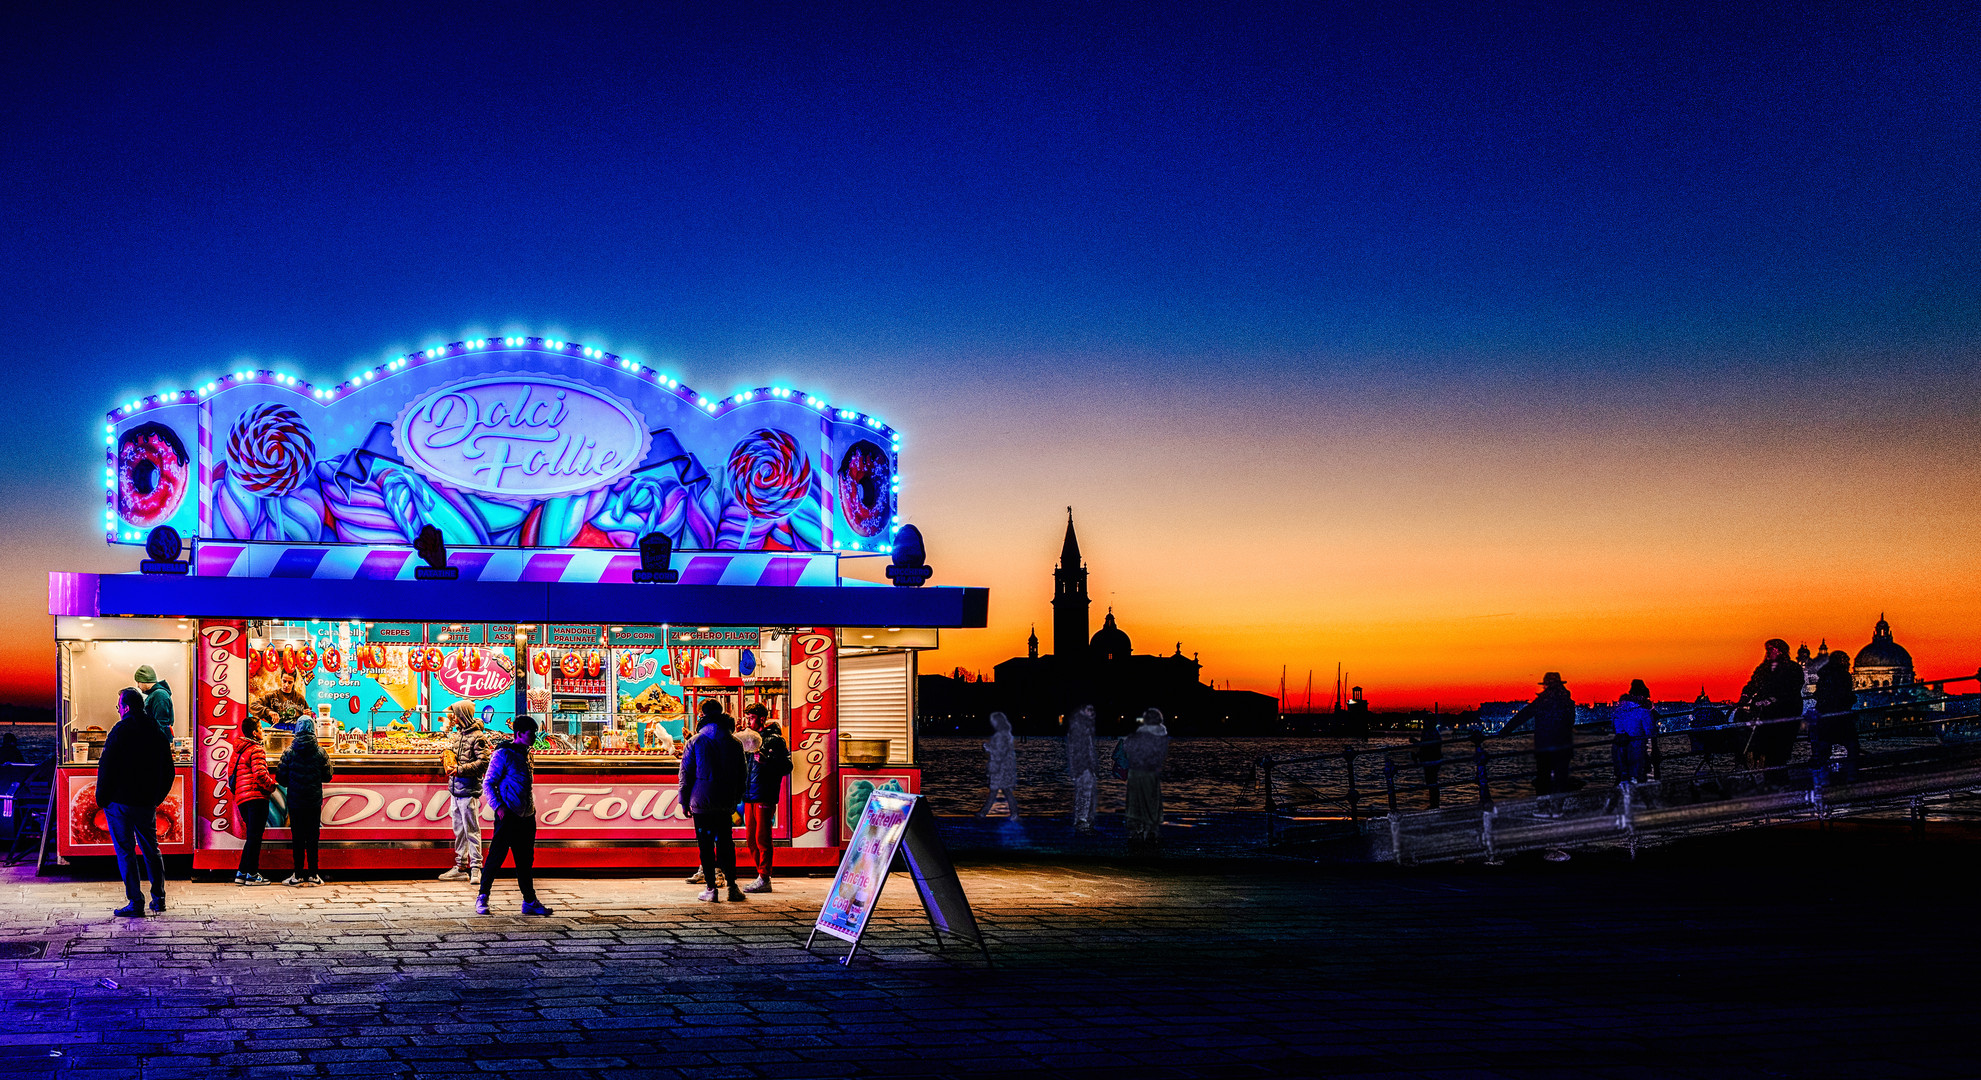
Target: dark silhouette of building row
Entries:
(1103, 670)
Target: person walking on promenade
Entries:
(1553, 714)
(465, 761)
(1774, 697)
(1001, 767)
(1635, 725)
(1835, 726)
(133, 776)
(509, 785)
(1147, 749)
(302, 772)
(157, 698)
(1429, 753)
(767, 762)
(712, 779)
(1080, 766)
(252, 784)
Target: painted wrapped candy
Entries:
(153, 473)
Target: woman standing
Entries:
(1146, 751)
(304, 769)
(1001, 771)
(510, 789)
(251, 782)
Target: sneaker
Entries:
(240, 876)
(474, 875)
(761, 885)
(158, 904)
(454, 873)
(315, 879)
(1556, 855)
(481, 904)
(254, 879)
(707, 896)
(132, 910)
(292, 881)
(735, 893)
(695, 878)
(531, 907)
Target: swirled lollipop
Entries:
(768, 473)
(270, 449)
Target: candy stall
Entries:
(530, 526)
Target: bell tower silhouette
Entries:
(1069, 600)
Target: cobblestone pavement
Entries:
(1847, 954)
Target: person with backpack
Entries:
(303, 771)
(252, 784)
(767, 761)
(510, 787)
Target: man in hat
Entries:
(1634, 725)
(157, 698)
(1553, 714)
(1773, 693)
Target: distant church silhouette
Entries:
(1102, 670)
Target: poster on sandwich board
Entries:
(895, 822)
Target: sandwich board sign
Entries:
(895, 822)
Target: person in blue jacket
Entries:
(712, 778)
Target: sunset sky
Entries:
(1452, 346)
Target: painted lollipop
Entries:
(270, 450)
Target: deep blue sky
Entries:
(1031, 206)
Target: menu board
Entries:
(869, 855)
(648, 690)
(377, 686)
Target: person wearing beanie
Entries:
(303, 771)
(1634, 725)
(1773, 696)
(1146, 750)
(712, 779)
(510, 788)
(157, 698)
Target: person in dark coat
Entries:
(157, 697)
(133, 776)
(509, 785)
(1147, 750)
(1429, 753)
(1081, 765)
(1553, 714)
(712, 779)
(1773, 695)
(10, 750)
(1835, 726)
(767, 762)
(303, 771)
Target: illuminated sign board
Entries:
(501, 442)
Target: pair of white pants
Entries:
(1084, 788)
(467, 831)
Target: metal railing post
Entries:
(1267, 764)
(1389, 780)
(1479, 767)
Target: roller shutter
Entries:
(877, 701)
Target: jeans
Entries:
(254, 820)
(305, 828)
(467, 830)
(1627, 754)
(1084, 789)
(518, 835)
(713, 833)
(1551, 771)
(1826, 735)
(134, 833)
(757, 821)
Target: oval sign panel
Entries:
(521, 436)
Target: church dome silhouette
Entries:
(1110, 642)
(1883, 652)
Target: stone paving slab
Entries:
(1847, 953)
